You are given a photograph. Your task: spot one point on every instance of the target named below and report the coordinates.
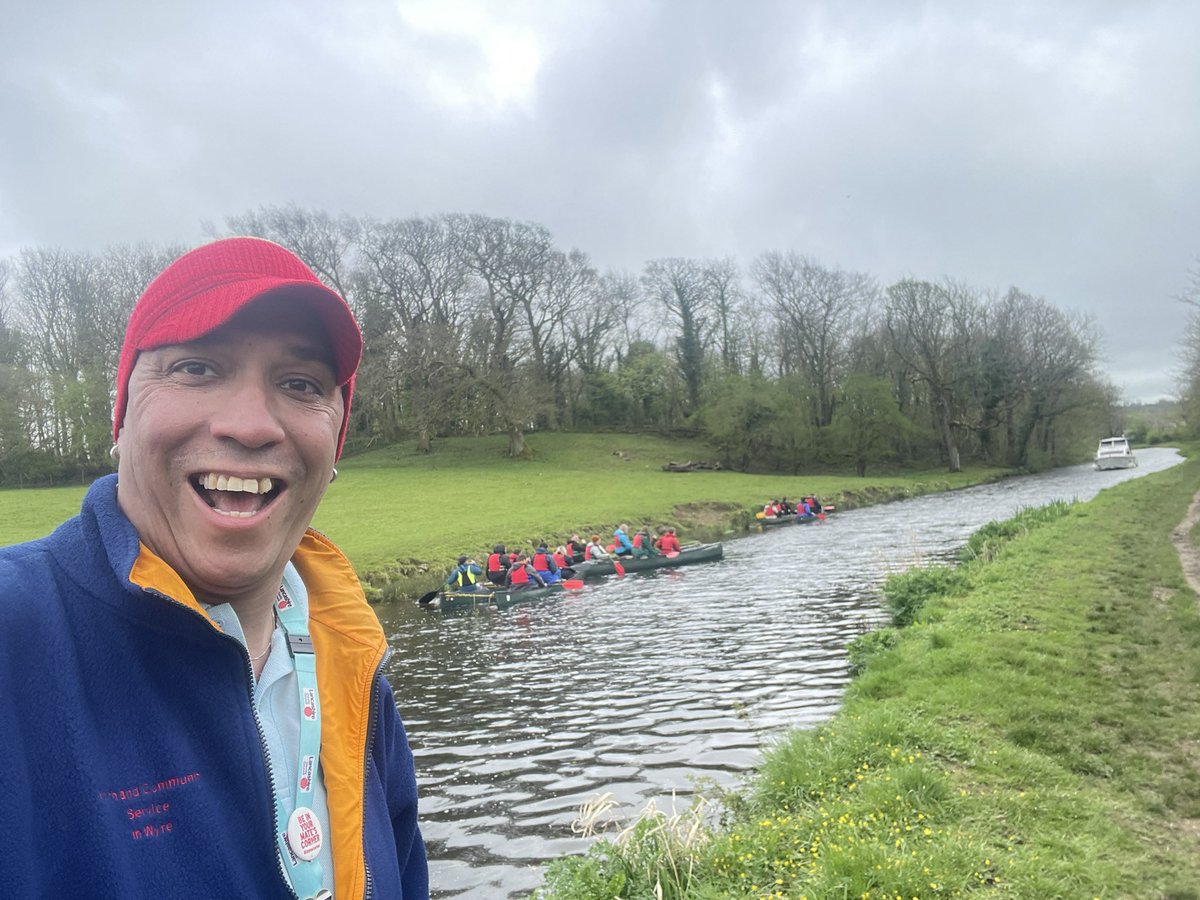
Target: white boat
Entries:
(1114, 453)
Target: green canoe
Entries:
(693, 553)
(796, 519)
(500, 598)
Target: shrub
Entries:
(866, 647)
(987, 542)
(906, 592)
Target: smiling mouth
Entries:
(234, 496)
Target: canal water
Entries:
(639, 686)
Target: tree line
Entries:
(479, 325)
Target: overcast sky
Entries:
(1054, 146)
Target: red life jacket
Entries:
(637, 541)
(668, 543)
(539, 562)
(493, 564)
(560, 559)
(518, 575)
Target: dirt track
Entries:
(1189, 553)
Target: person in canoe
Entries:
(576, 549)
(543, 561)
(621, 545)
(643, 545)
(465, 577)
(522, 576)
(594, 549)
(497, 565)
(668, 543)
(562, 556)
(814, 505)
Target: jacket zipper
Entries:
(262, 738)
(372, 721)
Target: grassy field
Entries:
(394, 510)
(1033, 734)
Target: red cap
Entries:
(206, 287)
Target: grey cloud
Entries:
(1048, 147)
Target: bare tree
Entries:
(17, 398)
(593, 333)
(325, 243)
(415, 290)
(569, 293)
(814, 309)
(124, 272)
(932, 329)
(723, 282)
(1050, 363)
(511, 260)
(73, 307)
(1189, 352)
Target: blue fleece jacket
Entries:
(131, 762)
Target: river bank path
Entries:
(1189, 553)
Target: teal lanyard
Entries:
(299, 832)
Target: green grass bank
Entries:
(403, 517)
(1034, 733)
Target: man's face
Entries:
(227, 447)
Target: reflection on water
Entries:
(637, 686)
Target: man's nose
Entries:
(248, 414)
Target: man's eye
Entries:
(302, 386)
(192, 367)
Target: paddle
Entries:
(574, 584)
(672, 554)
(426, 599)
(620, 569)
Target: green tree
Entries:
(651, 382)
(740, 421)
(868, 423)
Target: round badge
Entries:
(304, 834)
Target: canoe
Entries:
(453, 601)
(693, 553)
(456, 600)
(797, 519)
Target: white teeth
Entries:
(232, 514)
(214, 482)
